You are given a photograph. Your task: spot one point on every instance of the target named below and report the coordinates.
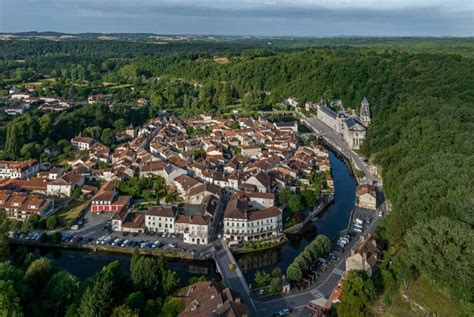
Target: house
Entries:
(160, 219)
(291, 126)
(260, 182)
(126, 221)
(82, 142)
(153, 168)
(65, 185)
(366, 197)
(195, 229)
(185, 183)
(92, 99)
(246, 220)
(197, 194)
(251, 150)
(20, 205)
(211, 298)
(107, 199)
(21, 169)
(130, 131)
(364, 255)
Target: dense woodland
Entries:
(422, 136)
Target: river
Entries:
(334, 219)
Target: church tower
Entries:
(364, 112)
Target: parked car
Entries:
(75, 227)
(231, 266)
(284, 312)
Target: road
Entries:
(233, 278)
(322, 288)
(336, 140)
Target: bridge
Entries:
(234, 279)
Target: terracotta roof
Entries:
(83, 139)
(265, 213)
(161, 212)
(194, 220)
(211, 299)
(365, 189)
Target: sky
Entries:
(319, 18)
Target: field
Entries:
(72, 211)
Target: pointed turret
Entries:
(364, 112)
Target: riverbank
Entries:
(172, 255)
(260, 246)
(327, 200)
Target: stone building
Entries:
(351, 128)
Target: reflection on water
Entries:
(330, 223)
(334, 219)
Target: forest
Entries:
(421, 139)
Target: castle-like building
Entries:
(352, 128)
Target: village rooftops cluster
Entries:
(206, 161)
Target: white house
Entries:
(246, 220)
(195, 229)
(160, 219)
(21, 169)
(82, 142)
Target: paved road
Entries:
(322, 288)
(233, 278)
(336, 140)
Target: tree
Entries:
(147, 273)
(294, 204)
(9, 300)
(123, 311)
(435, 248)
(103, 289)
(357, 292)
(52, 222)
(108, 137)
(135, 300)
(172, 307)
(62, 290)
(170, 281)
(38, 274)
(76, 193)
(262, 278)
(309, 198)
(275, 286)
(12, 146)
(284, 196)
(293, 272)
(4, 240)
(277, 273)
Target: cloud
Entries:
(265, 17)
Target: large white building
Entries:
(247, 218)
(195, 229)
(352, 128)
(22, 170)
(160, 219)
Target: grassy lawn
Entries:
(72, 211)
(423, 299)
